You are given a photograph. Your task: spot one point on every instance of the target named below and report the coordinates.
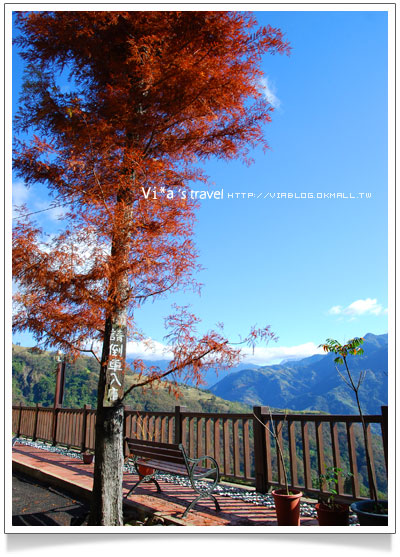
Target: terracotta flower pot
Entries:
(336, 516)
(287, 507)
(87, 458)
(145, 470)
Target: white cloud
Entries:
(148, 350)
(271, 355)
(268, 91)
(262, 355)
(50, 209)
(37, 202)
(369, 306)
(20, 195)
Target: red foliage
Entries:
(152, 94)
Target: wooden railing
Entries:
(310, 443)
(70, 427)
(242, 444)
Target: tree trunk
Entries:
(367, 453)
(364, 428)
(106, 503)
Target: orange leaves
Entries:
(152, 94)
(42, 145)
(162, 70)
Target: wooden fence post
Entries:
(34, 436)
(126, 409)
(86, 407)
(384, 428)
(19, 420)
(54, 428)
(178, 423)
(260, 450)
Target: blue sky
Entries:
(311, 268)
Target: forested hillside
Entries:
(34, 380)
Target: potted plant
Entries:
(287, 501)
(144, 470)
(371, 512)
(329, 512)
(87, 457)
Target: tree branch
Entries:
(91, 351)
(344, 379)
(178, 367)
(145, 296)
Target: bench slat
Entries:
(158, 455)
(146, 448)
(163, 466)
(155, 455)
(170, 446)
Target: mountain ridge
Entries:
(313, 383)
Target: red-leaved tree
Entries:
(150, 96)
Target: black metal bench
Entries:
(172, 458)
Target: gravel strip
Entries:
(254, 497)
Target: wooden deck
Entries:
(71, 474)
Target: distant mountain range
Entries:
(313, 383)
(308, 384)
(210, 377)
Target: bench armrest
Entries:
(211, 473)
(205, 457)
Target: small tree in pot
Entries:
(371, 512)
(287, 501)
